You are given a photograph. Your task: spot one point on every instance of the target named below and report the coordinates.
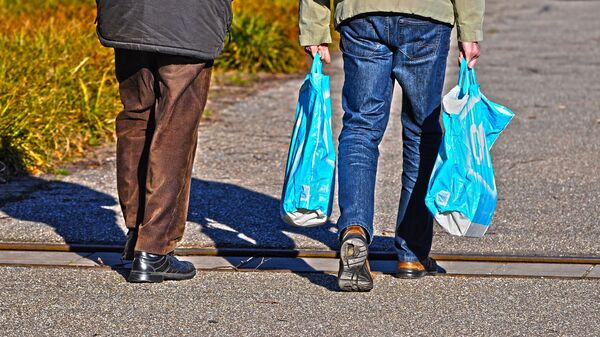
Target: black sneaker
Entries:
(153, 268)
(355, 273)
(418, 269)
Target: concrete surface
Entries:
(540, 58)
(91, 302)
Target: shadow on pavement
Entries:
(80, 215)
(236, 217)
(231, 216)
(77, 213)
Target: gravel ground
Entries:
(83, 302)
(540, 58)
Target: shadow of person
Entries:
(236, 217)
(230, 216)
(78, 214)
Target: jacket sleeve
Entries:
(314, 19)
(469, 19)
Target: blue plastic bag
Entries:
(462, 191)
(309, 176)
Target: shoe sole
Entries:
(354, 274)
(142, 277)
(413, 273)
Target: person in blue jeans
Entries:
(411, 47)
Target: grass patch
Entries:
(57, 90)
(263, 38)
(58, 94)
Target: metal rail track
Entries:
(375, 255)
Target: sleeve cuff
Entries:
(466, 34)
(314, 38)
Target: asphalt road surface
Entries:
(92, 302)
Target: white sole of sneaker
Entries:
(354, 274)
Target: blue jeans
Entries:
(377, 50)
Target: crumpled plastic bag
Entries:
(462, 190)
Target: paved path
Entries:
(80, 302)
(540, 58)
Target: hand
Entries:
(470, 51)
(323, 51)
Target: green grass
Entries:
(257, 44)
(58, 94)
(263, 38)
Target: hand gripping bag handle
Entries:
(317, 65)
(467, 81)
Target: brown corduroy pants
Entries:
(163, 98)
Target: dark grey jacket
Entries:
(194, 28)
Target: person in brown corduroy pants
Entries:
(163, 99)
(164, 52)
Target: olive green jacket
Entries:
(315, 15)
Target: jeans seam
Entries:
(372, 52)
(387, 29)
(343, 36)
(435, 43)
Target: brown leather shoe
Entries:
(355, 272)
(418, 269)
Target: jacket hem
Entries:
(198, 54)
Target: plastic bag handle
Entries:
(317, 65)
(466, 78)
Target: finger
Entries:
(473, 62)
(323, 52)
(472, 58)
(311, 50)
(314, 50)
(467, 57)
(473, 55)
(325, 55)
(308, 50)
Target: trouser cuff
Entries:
(368, 230)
